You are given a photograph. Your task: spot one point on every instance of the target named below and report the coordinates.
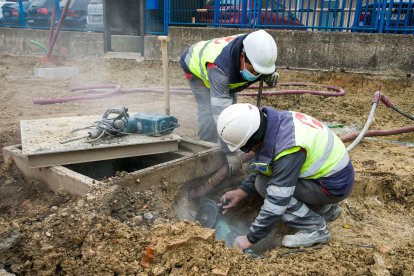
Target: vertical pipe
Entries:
(56, 33)
(51, 28)
(164, 51)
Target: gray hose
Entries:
(365, 129)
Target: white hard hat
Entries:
(237, 123)
(261, 50)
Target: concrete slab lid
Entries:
(41, 142)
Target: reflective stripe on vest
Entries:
(205, 52)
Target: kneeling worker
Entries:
(301, 169)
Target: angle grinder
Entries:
(210, 216)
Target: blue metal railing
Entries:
(373, 16)
(154, 19)
(379, 16)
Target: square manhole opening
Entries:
(100, 170)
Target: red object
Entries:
(72, 13)
(274, 14)
(43, 11)
(325, 191)
(15, 12)
(211, 65)
(147, 257)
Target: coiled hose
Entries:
(378, 96)
(104, 89)
(332, 91)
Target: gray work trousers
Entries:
(307, 192)
(207, 126)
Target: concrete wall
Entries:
(375, 53)
(79, 44)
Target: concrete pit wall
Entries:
(390, 54)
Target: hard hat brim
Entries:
(264, 70)
(233, 148)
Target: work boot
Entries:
(330, 212)
(306, 238)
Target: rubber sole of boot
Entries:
(319, 240)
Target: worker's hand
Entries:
(231, 199)
(234, 161)
(242, 243)
(271, 80)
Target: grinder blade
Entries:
(208, 214)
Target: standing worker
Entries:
(301, 169)
(219, 68)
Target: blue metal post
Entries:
(244, 12)
(22, 17)
(216, 13)
(58, 11)
(167, 15)
(382, 16)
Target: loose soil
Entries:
(113, 231)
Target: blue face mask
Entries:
(247, 75)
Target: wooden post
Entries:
(164, 50)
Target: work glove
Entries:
(271, 80)
(234, 161)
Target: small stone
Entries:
(158, 270)
(15, 226)
(90, 197)
(8, 240)
(48, 234)
(220, 271)
(384, 249)
(5, 273)
(148, 216)
(53, 208)
(138, 180)
(47, 247)
(137, 220)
